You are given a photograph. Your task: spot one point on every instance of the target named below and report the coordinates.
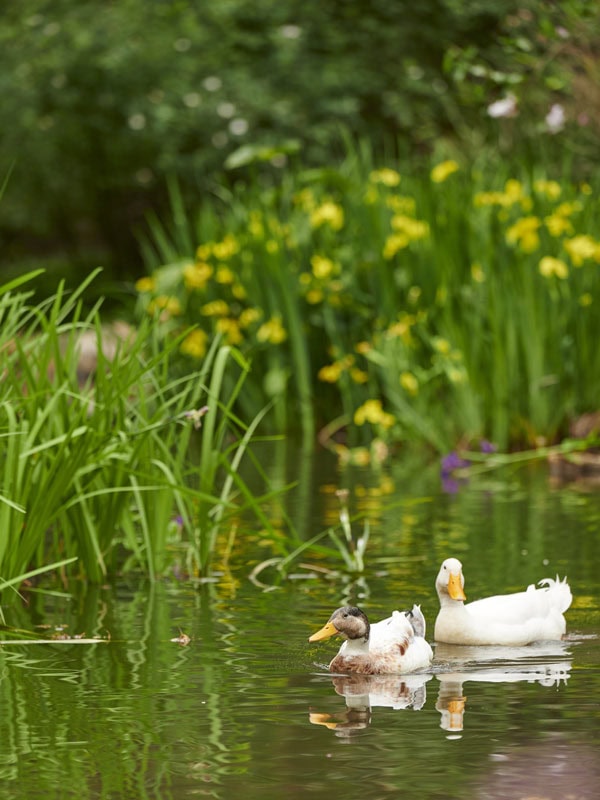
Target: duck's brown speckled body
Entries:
(390, 646)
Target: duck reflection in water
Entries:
(362, 693)
(546, 663)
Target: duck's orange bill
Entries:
(455, 589)
(325, 632)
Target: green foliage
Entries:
(120, 464)
(443, 304)
(540, 68)
(101, 100)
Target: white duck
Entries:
(391, 646)
(507, 619)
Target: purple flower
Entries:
(452, 462)
(451, 485)
(487, 447)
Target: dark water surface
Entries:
(247, 708)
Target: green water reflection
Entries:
(248, 709)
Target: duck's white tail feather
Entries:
(559, 592)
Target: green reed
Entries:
(443, 302)
(128, 466)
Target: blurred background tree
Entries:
(102, 101)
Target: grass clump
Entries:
(128, 466)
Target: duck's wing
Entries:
(391, 631)
(520, 607)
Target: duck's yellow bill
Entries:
(322, 719)
(455, 589)
(325, 632)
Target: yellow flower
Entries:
(216, 308)
(551, 189)
(409, 383)
(145, 284)
(328, 213)
(567, 209)
(226, 248)
(224, 275)
(406, 230)
(550, 266)
(314, 296)
(585, 300)
(169, 305)
(526, 203)
(443, 171)
(402, 327)
(363, 348)
(305, 199)
(530, 242)
(513, 191)
(194, 344)
(359, 375)
(581, 248)
(322, 267)
(196, 276)
(204, 251)
(524, 232)
(413, 228)
(248, 316)
(482, 199)
(231, 329)
(360, 456)
(330, 373)
(256, 228)
(558, 225)
(372, 411)
(272, 331)
(386, 176)
(401, 204)
(238, 291)
(441, 345)
(272, 246)
(395, 243)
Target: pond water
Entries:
(247, 708)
